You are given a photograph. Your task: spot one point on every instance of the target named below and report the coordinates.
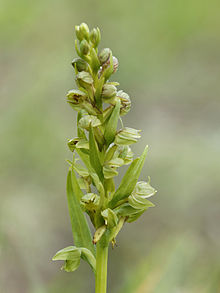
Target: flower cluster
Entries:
(102, 148)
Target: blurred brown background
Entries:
(170, 65)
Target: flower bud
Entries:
(88, 120)
(81, 65)
(104, 55)
(95, 36)
(108, 91)
(84, 47)
(115, 64)
(125, 102)
(82, 31)
(84, 79)
(127, 136)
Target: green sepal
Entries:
(95, 64)
(111, 126)
(98, 91)
(90, 201)
(110, 218)
(72, 254)
(109, 69)
(129, 180)
(127, 136)
(99, 233)
(81, 170)
(109, 168)
(80, 229)
(81, 143)
(94, 154)
(128, 212)
(80, 132)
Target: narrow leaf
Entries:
(112, 123)
(94, 155)
(129, 180)
(80, 229)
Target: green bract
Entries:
(102, 149)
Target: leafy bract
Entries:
(129, 180)
(111, 126)
(80, 229)
(94, 154)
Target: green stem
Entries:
(101, 267)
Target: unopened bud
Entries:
(82, 31)
(115, 64)
(109, 91)
(84, 47)
(104, 55)
(84, 79)
(95, 36)
(127, 136)
(125, 102)
(88, 120)
(81, 65)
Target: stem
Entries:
(101, 267)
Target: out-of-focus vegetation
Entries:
(169, 64)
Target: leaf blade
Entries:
(129, 180)
(80, 229)
(94, 155)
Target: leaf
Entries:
(112, 123)
(94, 155)
(80, 229)
(129, 180)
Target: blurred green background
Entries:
(170, 65)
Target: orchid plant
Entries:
(99, 149)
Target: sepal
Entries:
(110, 218)
(72, 254)
(127, 136)
(89, 120)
